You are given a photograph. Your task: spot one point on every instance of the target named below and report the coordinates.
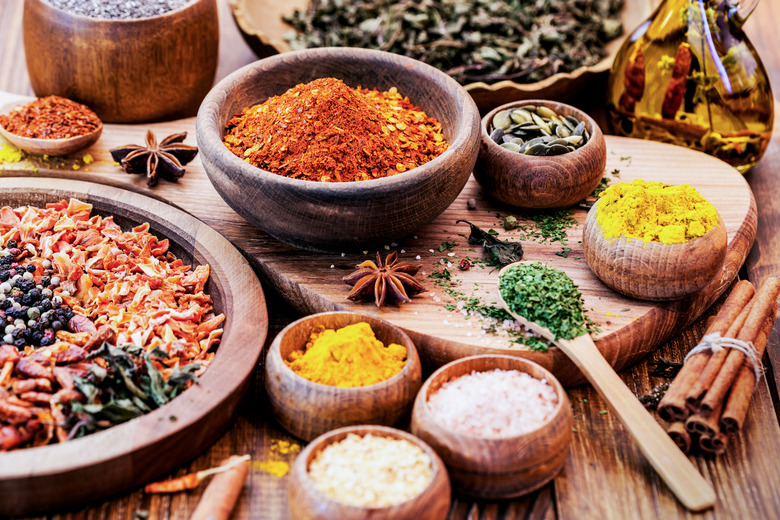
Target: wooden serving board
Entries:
(311, 282)
(140, 450)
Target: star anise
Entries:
(392, 279)
(166, 159)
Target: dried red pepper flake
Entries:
(327, 131)
(51, 117)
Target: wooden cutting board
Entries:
(311, 282)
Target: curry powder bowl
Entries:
(308, 409)
(653, 271)
(340, 216)
(126, 70)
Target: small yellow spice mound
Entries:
(655, 212)
(347, 357)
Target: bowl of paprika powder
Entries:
(338, 149)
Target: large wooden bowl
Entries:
(653, 270)
(93, 467)
(127, 71)
(528, 181)
(307, 503)
(308, 409)
(347, 215)
(501, 467)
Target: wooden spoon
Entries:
(663, 454)
(49, 146)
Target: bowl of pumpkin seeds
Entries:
(540, 154)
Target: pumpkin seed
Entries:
(502, 120)
(538, 131)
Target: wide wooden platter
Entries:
(311, 282)
(135, 452)
(261, 25)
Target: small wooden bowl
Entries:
(308, 409)
(503, 467)
(307, 503)
(653, 270)
(533, 182)
(49, 146)
(127, 71)
(339, 216)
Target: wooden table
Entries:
(605, 475)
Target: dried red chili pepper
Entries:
(52, 117)
(326, 131)
(676, 89)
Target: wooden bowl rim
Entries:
(31, 144)
(633, 242)
(118, 21)
(412, 357)
(551, 380)
(49, 459)
(593, 128)
(234, 81)
(330, 437)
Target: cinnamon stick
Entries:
(735, 410)
(673, 405)
(222, 492)
(715, 444)
(764, 305)
(680, 436)
(714, 363)
(704, 425)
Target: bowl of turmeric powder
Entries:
(338, 149)
(654, 241)
(336, 369)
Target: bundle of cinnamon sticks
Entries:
(709, 398)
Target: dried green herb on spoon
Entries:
(546, 296)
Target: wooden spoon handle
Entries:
(663, 454)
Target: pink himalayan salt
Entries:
(496, 403)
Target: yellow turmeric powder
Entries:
(347, 357)
(655, 212)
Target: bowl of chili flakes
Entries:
(167, 285)
(335, 216)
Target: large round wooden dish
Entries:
(340, 216)
(127, 71)
(261, 25)
(497, 467)
(92, 467)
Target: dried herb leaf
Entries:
(502, 253)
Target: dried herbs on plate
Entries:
(472, 40)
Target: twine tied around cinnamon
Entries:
(715, 342)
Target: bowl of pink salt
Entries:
(654, 241)
(336, 369)
(501, 424)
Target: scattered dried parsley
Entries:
(329, 132)
(371, 470)
(546, 296)
(52, 117)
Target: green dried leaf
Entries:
(502, 253)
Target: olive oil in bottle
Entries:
(689, 76)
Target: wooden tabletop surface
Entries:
(605, 475)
